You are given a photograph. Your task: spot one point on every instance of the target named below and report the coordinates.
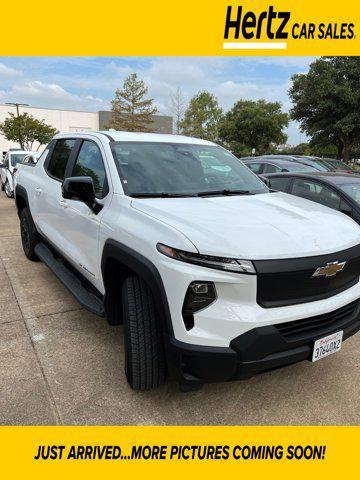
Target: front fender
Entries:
(10, 179)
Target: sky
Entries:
(89, 83)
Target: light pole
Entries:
(17, 105)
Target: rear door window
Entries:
(255, 167)
(270, 168)
(280, 183)
(316, 192)
(59, 158)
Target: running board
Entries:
(87, 299)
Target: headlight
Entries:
(219, 263)
(199, 295)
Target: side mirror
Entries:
(31, 160)
(81, 189)
(15, 170)
(265, 180)
(2, 165)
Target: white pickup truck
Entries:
(214, 276)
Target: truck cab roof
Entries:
(119, 136)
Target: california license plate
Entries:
(327, 346)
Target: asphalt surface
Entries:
(60, 364)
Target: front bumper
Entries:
(236, 310)
(258, 350)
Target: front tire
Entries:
(144, 349)
(29, 235)
(8, 191)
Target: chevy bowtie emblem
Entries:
(330, 269)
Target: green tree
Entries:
(131, 110)
(26, 130)
(327, 102)
(329, 151)
(355, 151)
(253, 124)
(202, 117)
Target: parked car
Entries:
(261, 165)
(213, 276)
(9, 164)
(313, 162)
(29, 160)
(336, 190)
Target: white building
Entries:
(62, 120)
(71, 121)
(284, 146)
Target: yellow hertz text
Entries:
(271, 25)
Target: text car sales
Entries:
(276, 25)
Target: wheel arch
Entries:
(127, 262)
(21, 199)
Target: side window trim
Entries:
(72, 161)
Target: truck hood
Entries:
(255, 227)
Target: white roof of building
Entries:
(140, 137)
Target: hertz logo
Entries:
(251, 27)
(276, 26)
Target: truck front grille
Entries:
(291, 281)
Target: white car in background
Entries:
(9, 166)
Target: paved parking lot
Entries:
(62, 365)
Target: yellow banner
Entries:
(213, 452)
(187, 27)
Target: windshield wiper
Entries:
(225, 192)
(180, 195)
(160, 195)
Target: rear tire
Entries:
(29, 235)
(144, 349)
(7, 189)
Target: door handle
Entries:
(63, 204)
(38, 190)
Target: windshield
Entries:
(353, 190)
(182, 169)
(17, 158)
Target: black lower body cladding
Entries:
(260, 349)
